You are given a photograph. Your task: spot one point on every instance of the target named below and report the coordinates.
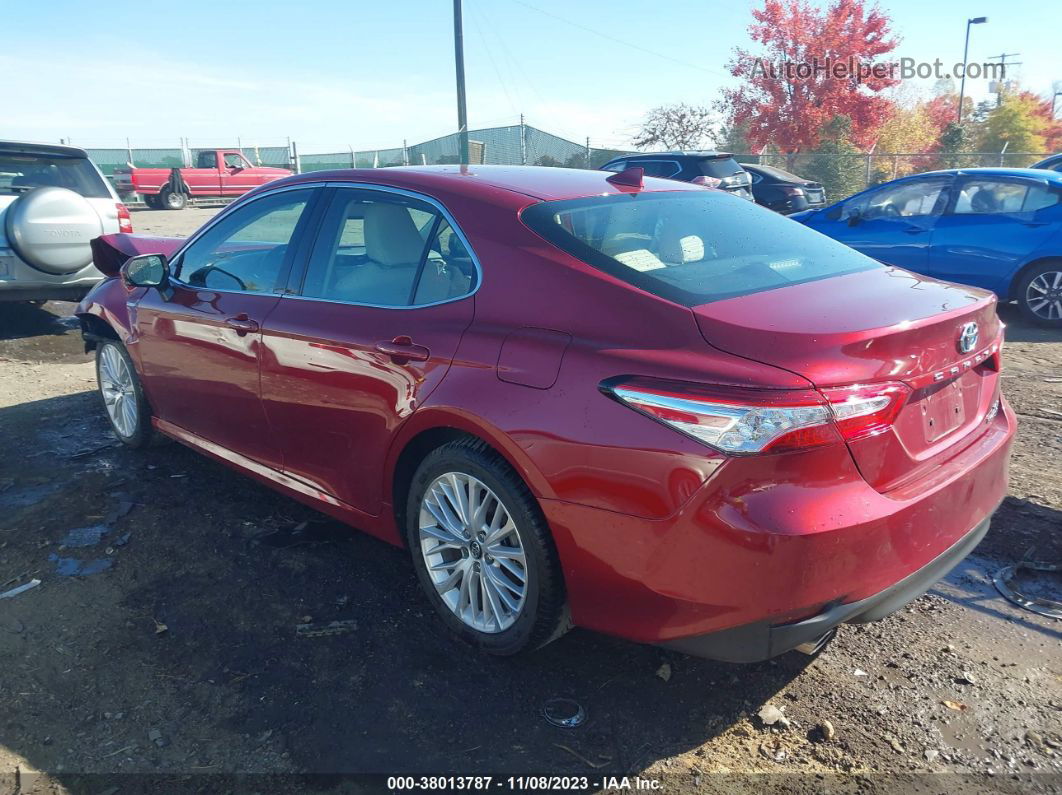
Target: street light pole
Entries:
(459, 59)
(965, 56)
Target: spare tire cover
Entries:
(51, 228)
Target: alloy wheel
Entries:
(1044, 295)
(473, 552)
(119, 394)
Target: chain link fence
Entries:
(523, 144)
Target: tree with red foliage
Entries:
(815, 64)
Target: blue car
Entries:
(996, 228)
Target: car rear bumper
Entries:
(774, 551)
(20, 282)
(763, 640)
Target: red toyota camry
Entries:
(642, 407)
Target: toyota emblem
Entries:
(968, 338)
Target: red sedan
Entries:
(642, 407)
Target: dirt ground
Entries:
(162, 639)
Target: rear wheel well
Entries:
(409, 459)
(1012, 293)
(94, 328)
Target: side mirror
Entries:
(854, 217)
(147, 270)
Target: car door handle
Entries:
(914, 230)
(1035, 223)
(242, 324)
(402, 349)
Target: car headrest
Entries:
(391, 237)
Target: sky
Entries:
(332, 75)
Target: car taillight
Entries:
(789, 190)
(742, 421)
(862, 411)
(125, 221)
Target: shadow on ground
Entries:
(192, 633)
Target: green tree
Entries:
(1016, 124)
(953, 141)
(836, 162)
(547, 160)
(734, 138)
(598, 157)
(577, 160)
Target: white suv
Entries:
(53, 202)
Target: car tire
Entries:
(152, 201)
(124, 403)
(1039, 294)
(170, 200)
(509, 619)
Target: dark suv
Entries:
(718, 169)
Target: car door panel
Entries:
(893, 224)
(200, 344)
(985, 246)
(335, 399)
(340, 371)
(200, 357)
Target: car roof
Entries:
(481, 182)
(1032, 173)
(673, 153)
(33, 147)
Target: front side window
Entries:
(246, 250)
(383, 249)
(995, 196)
(691, 247)
(913, 199)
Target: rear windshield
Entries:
(720, 167)
(21, 172)
(692, 247)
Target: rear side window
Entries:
(20, 173)
(998, 196)
(382, 249)
(658, 168)
(692, 247)
(720, 167)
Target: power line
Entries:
(621, 41)
(513, 66)
(493, 63)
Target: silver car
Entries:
(53, 202)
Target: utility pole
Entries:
(459, 59)
(1001, 84)
(965, 56)
(523, 142)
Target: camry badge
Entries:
(968, 338)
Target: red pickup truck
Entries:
(217, 173)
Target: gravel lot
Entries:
(180, 655)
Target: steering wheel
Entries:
(890, 210)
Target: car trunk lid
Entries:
(879, 326)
